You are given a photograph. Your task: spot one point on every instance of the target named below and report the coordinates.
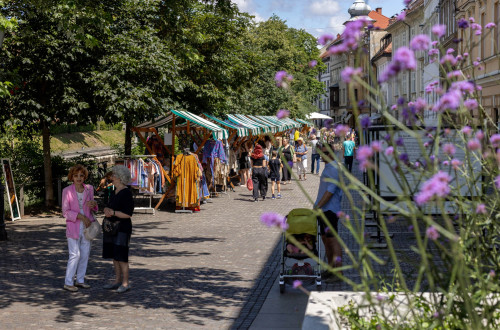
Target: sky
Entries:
(315, 16)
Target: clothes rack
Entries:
(184, 210)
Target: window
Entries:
(496, 16)
(482, 54)
(413, 82)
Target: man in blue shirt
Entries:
(329, 201)
(348, 146)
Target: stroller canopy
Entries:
(302, 221)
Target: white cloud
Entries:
(244, 5)
(337, 23)
(324, 7)
(283, 5)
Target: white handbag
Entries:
(92, 231)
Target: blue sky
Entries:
(315, 16)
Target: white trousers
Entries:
(79, 251)
(301, 166)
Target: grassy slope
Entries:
(77, 141)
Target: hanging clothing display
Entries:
(186, 172)
(214, 155)
(145, 175)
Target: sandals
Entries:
(112, 286)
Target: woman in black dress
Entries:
(287, 152)
(116, 247)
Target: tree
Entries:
(50, 53)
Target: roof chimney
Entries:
(338, 35)
(379, 10)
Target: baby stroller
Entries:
(303, 224)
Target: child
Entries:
(274, 172)
(304, 239)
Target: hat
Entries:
(300, 139)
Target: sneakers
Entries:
(256, 200)
(70, 288)
(273, 197)
(112, 286)
(263, 198)
(279, 195)
(82, 285)
(123, 289)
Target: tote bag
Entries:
(250, 184)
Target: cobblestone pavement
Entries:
(205, 270)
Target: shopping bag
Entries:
(250, 184)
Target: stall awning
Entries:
(245, 122)
(283, 125)
(292, 122)
(240, 131)
(263, 128)
(272, 126)
(302, 121)
(196, 121)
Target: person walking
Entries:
(301, 152)
(244, 164)
(329, 201)
(259, 177)
(77, 206)
(287, 153)
(116, 246)
(274, 172)
(348, 151)
(315, 158)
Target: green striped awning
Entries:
(272, 126)
(264, 128)
(217, 132)
(282, 124)
(302, 121)
(245, 122)
(240, 131)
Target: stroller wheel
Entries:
(282, 288)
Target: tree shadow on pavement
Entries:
(33, 265)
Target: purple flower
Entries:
(366, 122)
(280, 75)
(389, 151)
(433, 52)
(410, 228)
(446, 163)
(454, 74)
(420, 42)
(407, 2)
(364, 152)
(471, 104)
(455, 163)
(477, 27)
(400, 142)
(481, 209)
(404, 158)
(349, 72)
(420, 105)
(432, 233)
(282, 113)
(341, 130)
(338, 260)
(448, 58)
(281, 78)
(449, 101)
(492, 273)
(436, 314)
(405, 58)
(467, 130)
(449, 149)
(272, 219)
(296, 284)
(495, 141)
(328, 123)
(380, 297)
(313, 63)
(497, 182)
(472, 19)
(463, 24)
(473, 144)
(490, 25)
(437, 186)
(401, 16)
(479, 135)
(325, 38)
(376, 146)
(439, 30)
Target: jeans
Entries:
(79, 251)
(348, 162)
(315, 158)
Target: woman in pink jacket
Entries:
(77, 206)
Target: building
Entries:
(323, 100)
(487, 73)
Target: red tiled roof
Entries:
(381, 21)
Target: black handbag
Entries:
(109, 228)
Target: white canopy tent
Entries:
(317, 115)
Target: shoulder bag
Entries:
(109, 228)
(92, 231)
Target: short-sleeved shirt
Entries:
(274, 166)
(314, 144)
(301, 148)
(330, 172)
(296, 135)
(349, 148)
(258, 161)
(123, 202)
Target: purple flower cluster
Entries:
(449, 149)
(471, 104)
(473, 144)
(490, 25)
(403, 59)
(282, 113)
(350, 72)
(420, 42)
(449, 101)
(272, 219)
(497, 182)
(281, 78)
(432, 233)
(437, 186)
(481, 209)
(439, 30)
(463, 23)
(325, 38)
(478, 28)
(366, 122)
(341, 130)
(350, 38)
(495, 141)
(364, 155)
(297, 283)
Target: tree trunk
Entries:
(128, 139)
(47, 166)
